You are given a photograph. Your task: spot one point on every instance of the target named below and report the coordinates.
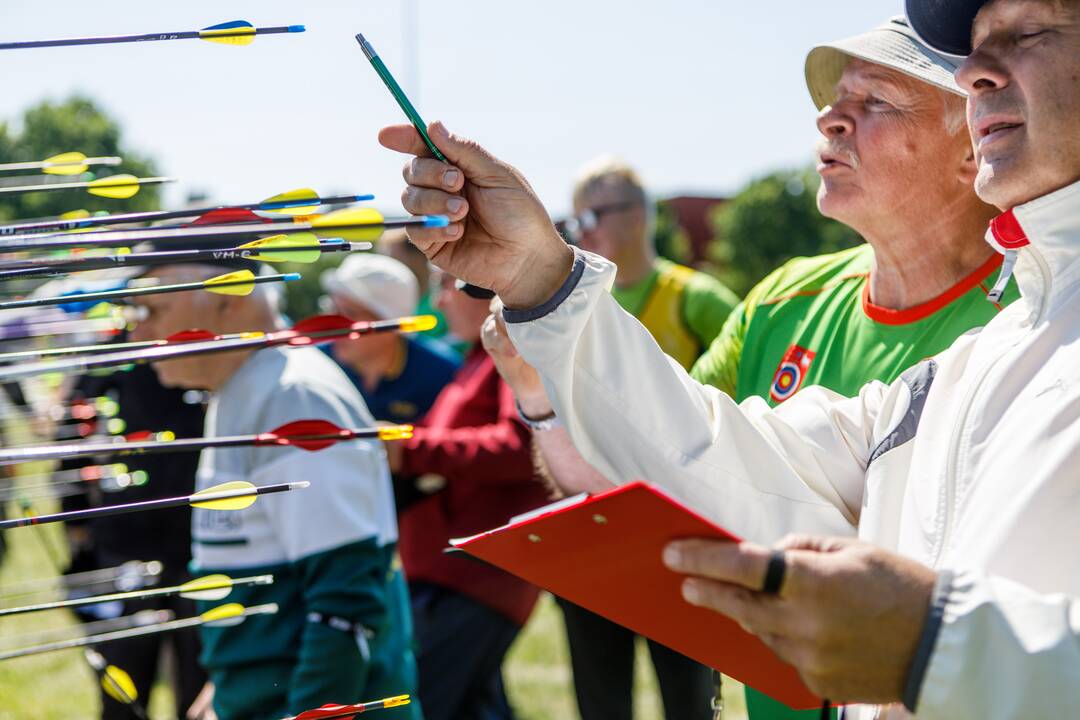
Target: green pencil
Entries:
(399, 95)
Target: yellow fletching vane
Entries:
(214, 284)
(397, 701)
(210, 498)
(227, 614)
(236, 34)
(75, 215)
(396, 432)
(418, 323)
(336, 224)
(118, 685)
(70, 163)
(299, 240)
(117, 187)
(209, 587)
(293, 196)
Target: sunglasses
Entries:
(588, 220)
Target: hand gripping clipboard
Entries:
(603, 552)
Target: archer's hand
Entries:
(848, 616)
(519, 375)
(500, 237)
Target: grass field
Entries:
(59, 685)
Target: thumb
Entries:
(468, 155)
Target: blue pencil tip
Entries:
(289, 277)
(436, 221)
(297, 28)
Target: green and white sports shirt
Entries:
(811, 322)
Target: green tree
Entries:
(78, 124)
(772, 220)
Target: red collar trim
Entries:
(887, 316)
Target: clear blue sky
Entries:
(700, 96)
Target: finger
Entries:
(426, 172)
(738, 563)
(756, 613)
(430, 240)
(470, 157)
(428, 201)
(404, 139)
(815, 543)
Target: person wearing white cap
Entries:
(869, 313)
(399, 376)
(934, 571)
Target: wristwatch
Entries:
(540, 424)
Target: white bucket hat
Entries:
(384, 285)
(893, 45)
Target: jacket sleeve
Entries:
(491, 452)
(995, 649)
(634, 413)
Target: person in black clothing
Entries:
(163, 535)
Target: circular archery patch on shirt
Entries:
(791, 373)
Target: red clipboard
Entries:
(603, 552)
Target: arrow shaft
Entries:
(115, 238)
(145, 37)
(76, 185)
(133, 292)
(189, 349)
(121, 634)
(39, 164)
(159, 504)
(131, 572)
(155, 215)
(134, 594)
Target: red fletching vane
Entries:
(294, 433)
(326, 711)
(191, 336)
(139, 436)
(226, 216)
(321, 323)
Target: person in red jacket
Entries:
(473, 455)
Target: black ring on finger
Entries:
(774, 573)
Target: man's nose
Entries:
(832, 121)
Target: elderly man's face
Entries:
(886, 151)
(1023, 80)
(164, 315)
(360, 351)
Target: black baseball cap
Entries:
(945, 25)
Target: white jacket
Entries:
(969, 463)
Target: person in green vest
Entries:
(684, 310)
(841, 320)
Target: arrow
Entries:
(328, 712)
(116, 683)
(129, 575)
(300, 201)
(237, 32)
(314, 330)
(112, 426)
(65, 488)
(356, 224)
(184, 336)
(69, 163)
(209, 588)
(235, 495)
(310, 435)
(221, 616)
(23, 328)
(240, 282)
(141, 618)
(303, 248)
(117, 187)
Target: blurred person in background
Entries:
(395, 244)
(143, 405)
(342, 631)
(399, 376)
(477, 456)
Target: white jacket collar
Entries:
(1042, 237)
